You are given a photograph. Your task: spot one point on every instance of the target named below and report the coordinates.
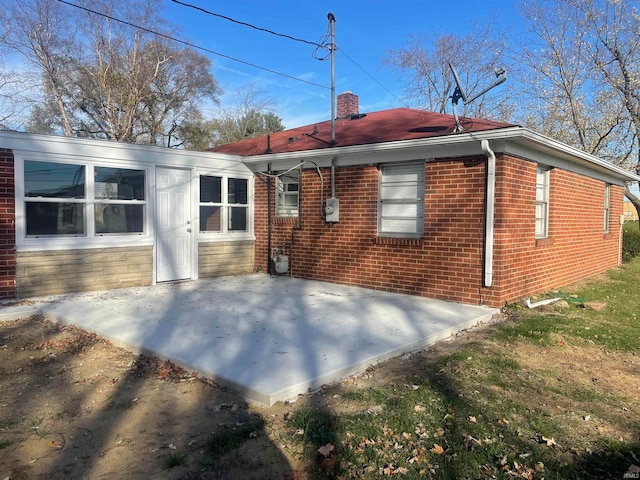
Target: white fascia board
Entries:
(33, 145)
(518, 141)
(533, 146)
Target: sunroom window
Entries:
(238, 204)
(210, 203)
(55, 198)
(223, 204)
(120, 200)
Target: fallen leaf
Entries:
(437, 449)
(472, 419)
(550, 441)
(418, 408)
(326, 450)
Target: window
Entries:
(214, 213)
(238, 200)
(55, 198)
(120, 200)
(82, 200)
(401, 200)
(287, 194)
(210, 204)
(607, 197)
(542, 203)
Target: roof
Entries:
(391, 125)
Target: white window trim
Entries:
(89, 239)
(607, 207)
(544, 201)
(225, 233)
(281, 209)
(418, 202)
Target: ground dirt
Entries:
(72, 405)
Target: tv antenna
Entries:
(458, 93)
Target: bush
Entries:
(630, 244)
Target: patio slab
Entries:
(269, 338)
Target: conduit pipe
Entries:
(489, 214)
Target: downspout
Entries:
(269, 220)
(489, 214)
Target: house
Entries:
(79, 214)
(395, 200)
(391, 200)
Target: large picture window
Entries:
(401, 200)
(542, 203)
(66, 199)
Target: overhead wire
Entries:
(192, 45)
(372, 77)
(195, 7)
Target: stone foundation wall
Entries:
(63, 271)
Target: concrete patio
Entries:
(269, 338)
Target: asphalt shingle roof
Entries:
(361, 129)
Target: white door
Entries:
(173, 251)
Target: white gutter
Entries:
(489, 213)
(450, 145)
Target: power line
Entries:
(192, 45)
(371, 77)
(248, 24)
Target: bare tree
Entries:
(252, 115)
(584, 76)
(45, 36)
(106, 77)
(424, 64)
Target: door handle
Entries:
(188, 230)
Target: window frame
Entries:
(120, 201)
(542, 173)
(390, 169)
(88, 239)
(607, 207)
(226, 206)
(283, 209)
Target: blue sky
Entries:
(365, 32)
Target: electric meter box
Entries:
(332, 210)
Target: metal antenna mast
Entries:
(458, 93)
(332, 49)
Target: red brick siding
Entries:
(7, 226)
(448, 262)
(576, 247)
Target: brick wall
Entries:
(448, 262)
(62, 271)
(445, 264)
(576, 247)
(225, 258)
(7, 226)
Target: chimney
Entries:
(347, 105)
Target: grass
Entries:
(229, 439)
(173, 460)
(486, 411)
